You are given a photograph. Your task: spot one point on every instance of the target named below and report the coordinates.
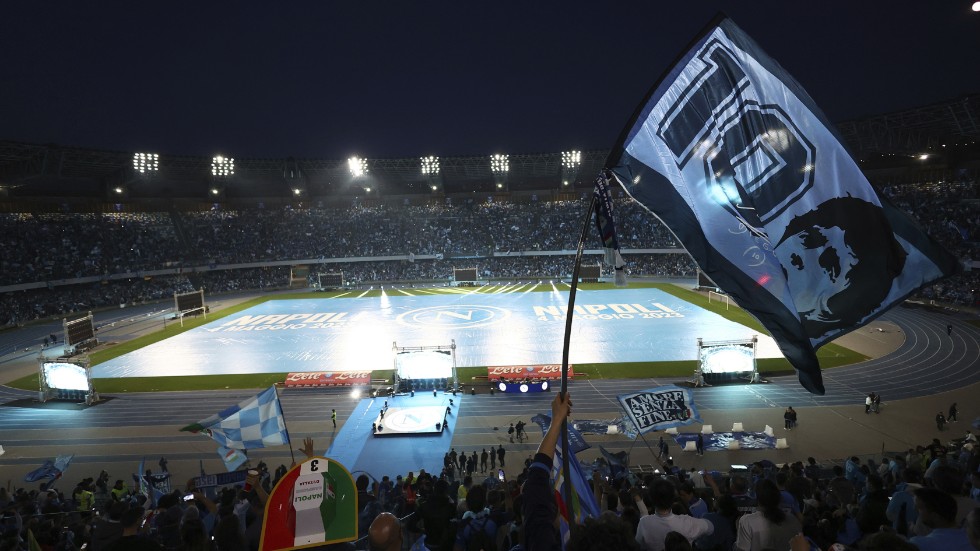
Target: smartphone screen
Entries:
(500, 475)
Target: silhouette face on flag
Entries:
(840, 265)
(737, 160)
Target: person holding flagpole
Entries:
(540, 510)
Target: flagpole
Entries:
(564, 356)
(655, 456)
(292, 458)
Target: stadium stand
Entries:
(57, 263)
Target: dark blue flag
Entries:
(736, 159)
(576, 442)
(606, 225)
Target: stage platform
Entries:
(411, 445)
(402, 421)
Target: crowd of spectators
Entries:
(466, 228)
(947, 211)
(52, 246)
(502, 239)
(924, 499)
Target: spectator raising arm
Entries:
(540, 510)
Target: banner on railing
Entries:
(329, 378)
(521, 372)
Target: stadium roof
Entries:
(36, 171)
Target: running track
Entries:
(129, 427)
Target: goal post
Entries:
(719, 297)
(189, 303)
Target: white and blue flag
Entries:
(732, 155)
(660, 408)
(254, 423)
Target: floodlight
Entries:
(358, 167)
(571, 159)
(297, 191)
(146, 162)
(976, 6)
(430, 165)
(499, 163)
(564, 182)
(222, 166)
(923, 157)
(118, 190)
(367, 190)
(215, 191)
(500, 185)
(435, 188)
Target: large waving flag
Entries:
(736, 159)
(254, 423)
(51, 469)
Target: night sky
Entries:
(329, 79)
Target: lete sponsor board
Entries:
(315, 503)
(329, 378)
(521, 372)
(660, 408)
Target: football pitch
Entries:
(490, 326)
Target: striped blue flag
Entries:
(735, 158)
(254, 423)
(582, 498)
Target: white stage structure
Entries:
(425, 368)
(726, 361)
(66, 379)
